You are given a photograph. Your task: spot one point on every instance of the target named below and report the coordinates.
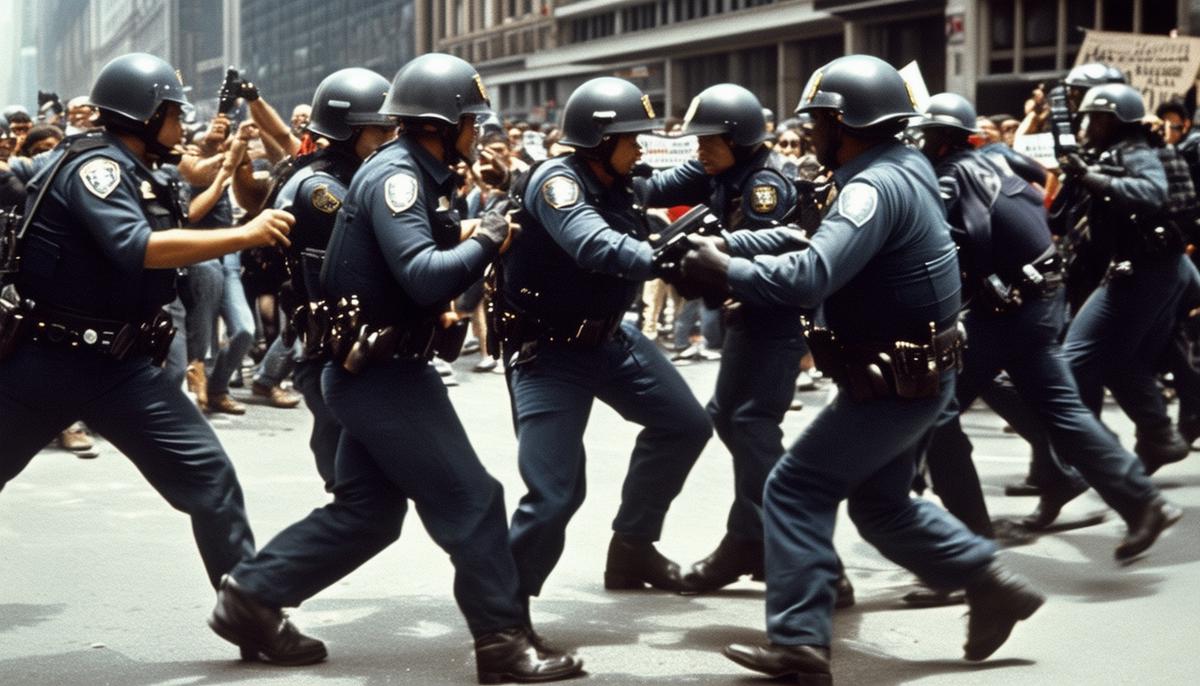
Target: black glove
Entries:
(1073, 165)
(706, 268)
(247, 91)
(492, 231)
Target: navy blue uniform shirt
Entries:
(584, 254)
(882, 262)
(396, 240)
(86, 248)
(314, 194)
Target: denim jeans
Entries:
(710, 324)
(239, 326)
(202, 297)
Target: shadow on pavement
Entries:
(17, 615)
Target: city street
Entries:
(101, 583)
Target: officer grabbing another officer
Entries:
(578, 265)
(883, 267)
(345, 112)
(763, 345)
(84, 310)
(1122, 329)
(395, 261)
(1013, 279)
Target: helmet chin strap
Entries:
(603, 153)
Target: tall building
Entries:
(288, 47)
(533, 53)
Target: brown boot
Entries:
(75, 439)
(197, 382)
(225, 404)
(276, 395)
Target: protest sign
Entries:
(662, 152)
(1160, 67)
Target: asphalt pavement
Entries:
(100, 582)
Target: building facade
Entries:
(288, 47)
(533, 53)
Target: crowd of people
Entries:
(342, 260)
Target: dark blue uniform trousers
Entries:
(755, 387)
(1025, 343)
(552, 397)
(326, 431)
(1119, 335)
(401, 441)
(862, 452)
(145, 415)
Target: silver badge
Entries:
(400, 192)
(101, 176)
(90, 336)
(857, 203)
(560, 192)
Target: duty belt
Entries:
(901, 369)
(355, 342)
(519, 328)
(114, 338)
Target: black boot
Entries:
(733, 559)
(633, 563)
(510, 656)
(1160, 446)
(1050, 505)
(1189, 428)
(1156, 517)
(261, 631)
(809, 665)
(997, 599)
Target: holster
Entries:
(901, 369)
(14, 321)
(356, 343)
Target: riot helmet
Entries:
(437, 87)
(433, 93)
(1121, 100)
(346, 99)
(864, 90)
(729, 110)
(948, 110)
(602, 107)
(130, 93)
(1094, 74)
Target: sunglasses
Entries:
(788, 144)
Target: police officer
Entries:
(578, 265)
(395, 261)
(1084, 77)
(84, 312)
(345, 112)
(1013, 277)
(1121, 330)
(763, 345)
(883, 268)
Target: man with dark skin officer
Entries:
(395, 261)
(763, 345)
(345, 112)
(1014, 316)
(576, 268)
(882, 266)
(84, 311)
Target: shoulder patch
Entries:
(857, 202)
(325, 201)
(560, 192)
(100, 175)
(764, 198)
(400, 191)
